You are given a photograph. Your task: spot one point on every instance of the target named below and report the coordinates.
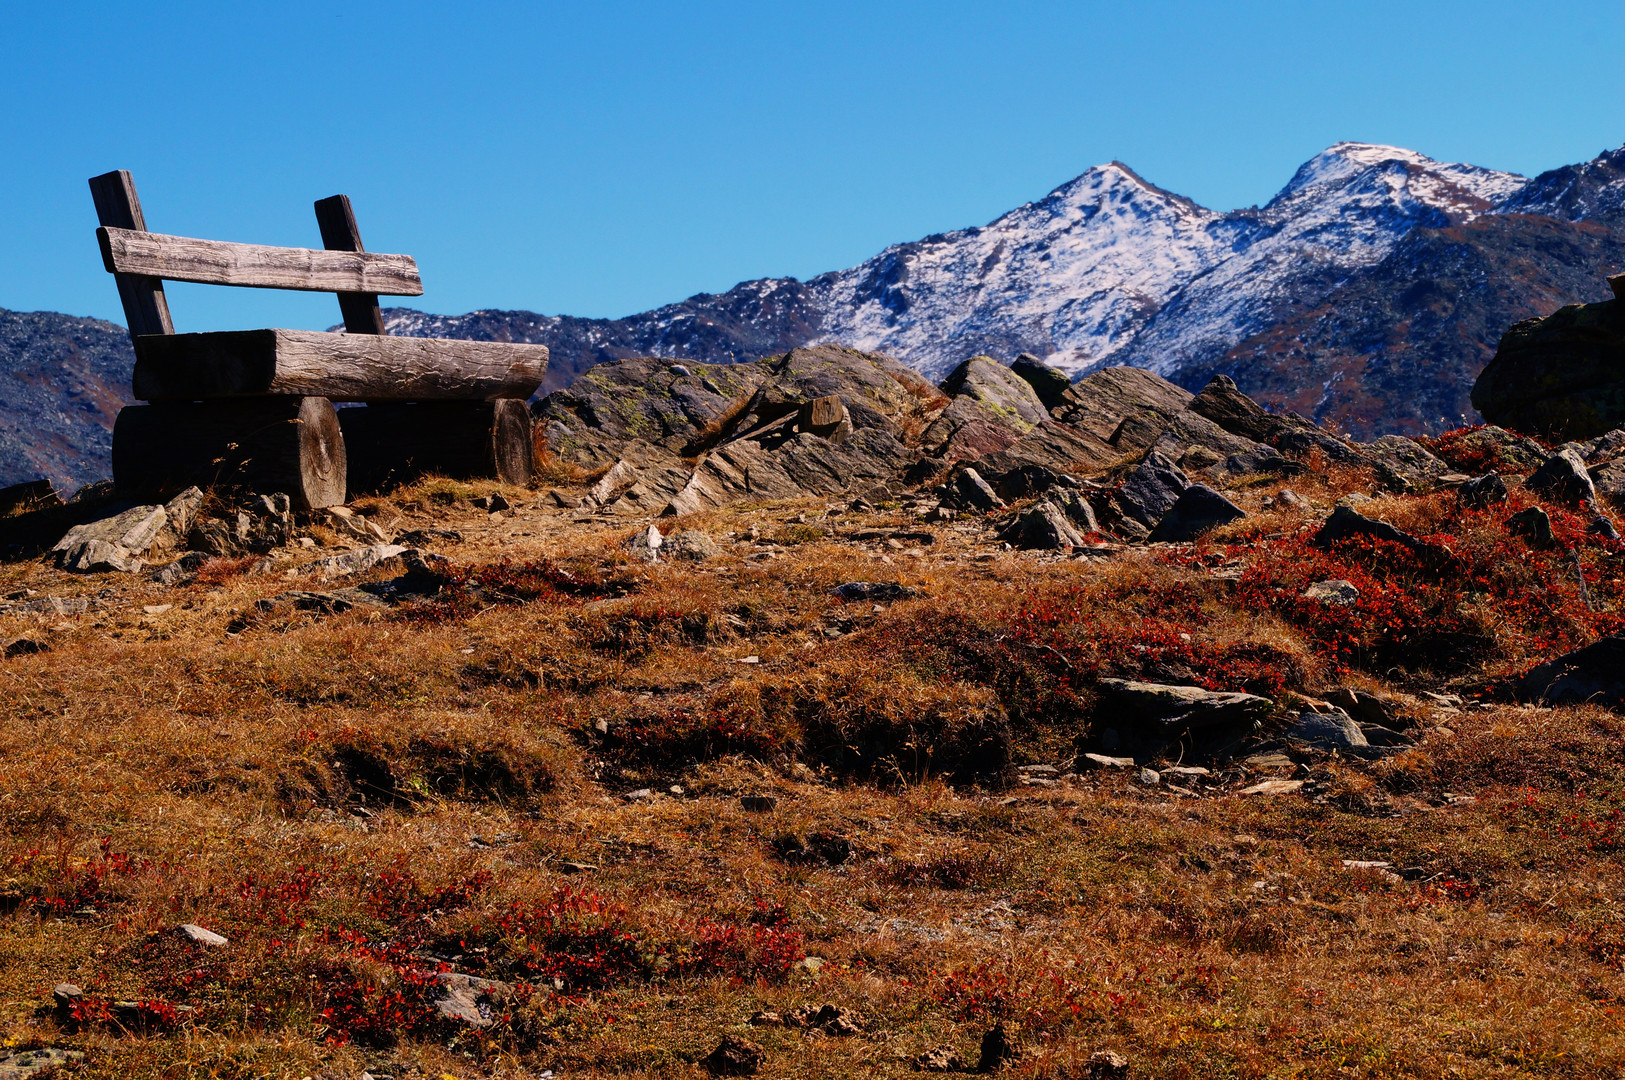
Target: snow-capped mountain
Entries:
(1111, 269)
(1368, 292)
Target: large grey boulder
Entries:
(1594, 675)
(1050, 384)
(1199, 509)
(1562, 376)
(1100, 402)
(1404, 465)
(1482, 492)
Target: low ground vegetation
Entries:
(652, 801)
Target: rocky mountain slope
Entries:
(63, 380)
(1368, 292)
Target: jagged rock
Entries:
(1404, 465)
(494, 503)
(1151, 490)
(1078, 509)
(1105, 1065)
(197, 935)
(1042, 527)
(777, 462)
(1562, 376)
(940, 1059)
(1533, 524)
(111, 543)
(1603, 526)
(1199, 509)
(1100, 402)
(468, 999)
(1221, 402)
(1022, 480)
(1347, 523)
(996, 391)
(1050, 384)
(830, 1019)
(646, 543)
(1060, 448)
(1258, 461)
(23, 646)
(689, 544)
(1335, 730)
(1563, 478)
(734, 1057)
(1482, 492)
(181, 570)
(354, 562)
(622, 475)
(1609, 480)
(1149, 716)
(825, 417)
(644, 401)
(1364, 707)
(1336, 591)
(33, 495)
(1594, 674)
(1196, 442)
(974, 493)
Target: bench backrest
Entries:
(141, 261)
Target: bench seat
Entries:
(340, 367)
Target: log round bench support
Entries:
(288, 444)
(392, 443)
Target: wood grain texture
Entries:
(342, 367)
(217, 262)
(336, 219)
(146, 310)
(393, 444)
(289, 444)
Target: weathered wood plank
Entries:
(217, 262)
(291, 444)
(342, 367)
(146, 311)
(393, 444)
(336, 219)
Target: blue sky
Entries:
(604, 158)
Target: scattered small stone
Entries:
(577, 867)
(874, 591)
(197, 935)
(494, 503)
(1105, 1065)
(1148, 777)
(156, 609)
(28, 1063)
(680, 370)
(748, 660)
(1334, 591)
(830, 1019)
(1291, 500)
(66, 994)
(467, 998)
(639, 795)
(759, 804)
(940, 1059)
(734, 1057)
(1102, 761)
(975, 493)
(764, 1018)
(1188, 771)
(1272, 787)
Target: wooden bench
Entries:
(254, 408)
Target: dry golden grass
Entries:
(338, 793)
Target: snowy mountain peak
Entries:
(1399, 175)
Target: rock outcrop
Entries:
(1559, 377)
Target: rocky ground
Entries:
(829, 723)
